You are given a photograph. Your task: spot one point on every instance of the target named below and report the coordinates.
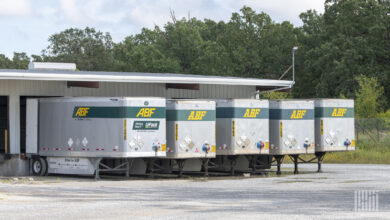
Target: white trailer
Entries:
(190, 134)
(242, 133)
(291, 129)
(89, 135)
(334, 126)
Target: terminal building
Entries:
(63, 80)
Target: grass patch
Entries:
(368, 151)
(361, 156)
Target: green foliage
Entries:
(88, 48)
(276, 95)
(351, 38)
(19, 61)
(367, 151)
(249, 45)
(368, 97)
(135, 55)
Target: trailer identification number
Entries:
(146, 112)
(81, 112)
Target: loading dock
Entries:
(42, 81)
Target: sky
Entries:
(27, 24)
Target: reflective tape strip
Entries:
(176, 131)
(125, 129)
(281, 129)
(233, 129)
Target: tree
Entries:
(257, 47)
(131, 55)
(88, 48)
(144, 52)
(19, 61)
(369, 97)
(349, 39)
(249, 45)
(5, 62)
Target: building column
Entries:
(14, 124)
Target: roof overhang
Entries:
(132, 77)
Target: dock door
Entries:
(23, 101)
(4, 125)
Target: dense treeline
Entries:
(351, 38)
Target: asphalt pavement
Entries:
(341, 192)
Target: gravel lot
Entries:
(309, 195)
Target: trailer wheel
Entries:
(39, 167)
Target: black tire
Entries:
(46, 167)
(39, 167)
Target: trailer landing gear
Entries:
(279, 160)
(205, 165)
(233, 162)
(104, 166)
(295, 160)
(320, 157)
(97, 171)
(180, 164)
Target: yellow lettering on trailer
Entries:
(339, 112)
(82, 112)
(251, 113)
(196, 115)
(145, 112)
(298, 114)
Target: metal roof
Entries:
(63, 75)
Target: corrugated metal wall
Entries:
(58, 88)
(14, 89)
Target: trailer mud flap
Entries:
(71, 165)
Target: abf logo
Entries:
(339, 112)
(146, 112)
(81, 112)
(297, 114)
(251, 113)
(196, 115)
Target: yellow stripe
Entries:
(233, 129)
(322, 127)
(213, 148)
(176, 131)
(281, 129)
(125, 130)
(267, 145)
